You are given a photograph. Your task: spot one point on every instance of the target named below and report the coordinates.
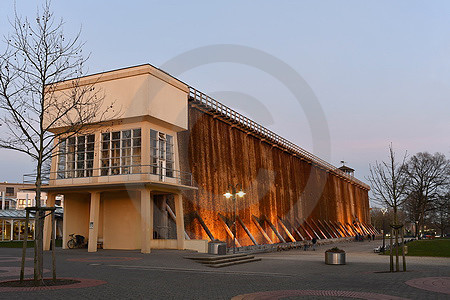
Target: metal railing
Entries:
(111, 174)
(248, 124)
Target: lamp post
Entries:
(232, 195)
(383, 211)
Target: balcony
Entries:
(132, 174)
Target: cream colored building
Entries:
(120, 180)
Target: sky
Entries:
(379, 70)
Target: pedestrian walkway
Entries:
(166, 274)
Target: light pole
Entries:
(229, 195)
(383, 211)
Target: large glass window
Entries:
(121, 152)
(76, 156)
(161, 153)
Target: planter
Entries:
(335, 258)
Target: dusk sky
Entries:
(380, 69)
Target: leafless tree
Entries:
(441, 213)
(389, 182)
(429, 177)
(36, 57)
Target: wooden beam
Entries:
(295, 230)
(258, 225)
(304, 229)
(246, 230)
(274, 229)
(228, 230)
(174, 217)
(286, 230)
(320, 229)
(205, 228)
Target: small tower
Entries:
(346, 169)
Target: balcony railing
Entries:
(115, 174)
(250, 125)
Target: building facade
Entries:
(155, 175)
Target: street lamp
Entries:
(383, 211)
(232, 195)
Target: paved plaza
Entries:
(293, 274)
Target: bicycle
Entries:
(76, 241)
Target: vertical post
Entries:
(403, 250)
(3, 200)
(146, 220)
(93, 221)
(384, 245)
(48, 222)
(24, 247)
(12, 230)
(180, 221)
(397, 264)
(53, 246)
(26, 199)
(391, 253)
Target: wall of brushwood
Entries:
(276, 182)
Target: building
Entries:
(8, 193)
(155, 176)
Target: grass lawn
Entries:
(436, 247)
(19, 244)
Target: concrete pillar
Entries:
(3, 200)
(180, 221)
(48, 221)
(146, 221)
(26, 200)
(12, 230)
(94, 216)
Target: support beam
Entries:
(306, 224)
(48, 222)
(228, 230)
(146, 220)
(2, 194)
(332, 229)
(174, 218)
(344, 228)
(280, 221)
(258, 225)
(300, 225)
(320, 229)
(274, 229)
(246, 230)
(295, 229)
(205, 228)
(180, 221)
(94, 215)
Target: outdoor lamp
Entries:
(241, 193)
(227, 195)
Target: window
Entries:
(76, 156)
(121, 152)
(9, 191)
(161, 153)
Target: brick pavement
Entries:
(165, 274)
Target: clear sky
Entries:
(380, 69)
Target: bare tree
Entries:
(37, 56)
(441, 213)
(389, 182)
(429, 176)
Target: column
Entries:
(94, 215)
(48, 222)
(146, 220)
(2, 194)
(180, 221)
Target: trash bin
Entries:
(217, 247)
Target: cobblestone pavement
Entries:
(293, 274)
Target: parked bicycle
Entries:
(76, 241)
